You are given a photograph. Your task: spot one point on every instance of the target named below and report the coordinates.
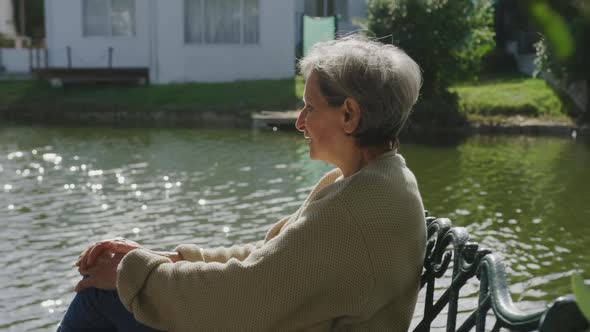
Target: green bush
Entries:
(582, 293)
(448, 39)
(5, 42)
(441, 109)
(564, 51)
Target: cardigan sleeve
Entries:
(309, 263)
(194, 253)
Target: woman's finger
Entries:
(84, 259)
(116, 245)
(97, 250)
(102, 276)
(82, 256)
(79, 260)
(83, 271)
(85, 255)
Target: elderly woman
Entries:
(348, 259)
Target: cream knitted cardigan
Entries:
(348, 259)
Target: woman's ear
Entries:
(352, 115)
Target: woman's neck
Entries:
(361, 157)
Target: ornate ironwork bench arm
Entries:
(446, 243)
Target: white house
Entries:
(12, 60)
(177, 40)
(6, 19)
(346, 10)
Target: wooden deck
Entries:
(63, 76)
(270, 119)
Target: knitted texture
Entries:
(348, 259)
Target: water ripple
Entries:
(63, 188)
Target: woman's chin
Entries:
(315, 156)
(312, 155)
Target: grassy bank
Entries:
(243, 96)
(493, 100)
(506, 100)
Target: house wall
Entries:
(16, 60)
(6, 21)
(159, 44)
(272, 58)
(64, 28)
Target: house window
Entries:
(108, 18)
(327, 8)
(222, 21)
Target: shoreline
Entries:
(272, 120)
(117, 118)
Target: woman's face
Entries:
(321, 124)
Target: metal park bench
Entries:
(447, 243)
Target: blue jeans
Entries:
(101, 311)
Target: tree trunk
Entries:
(23, 29)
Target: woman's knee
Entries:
(85, 312)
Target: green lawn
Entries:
(242, 96)
(489, 100)
(497, 98)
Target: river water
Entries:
(63, 188)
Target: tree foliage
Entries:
(564, 52)
(34, 18)
(5, 42)
(447, 38)
(582, 293)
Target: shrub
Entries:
(564, 23)
(448, 39)
(6, 42)
(582, 293)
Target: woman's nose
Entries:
(300, 123)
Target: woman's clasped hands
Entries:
(98, 263)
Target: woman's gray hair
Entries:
(382, 78)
